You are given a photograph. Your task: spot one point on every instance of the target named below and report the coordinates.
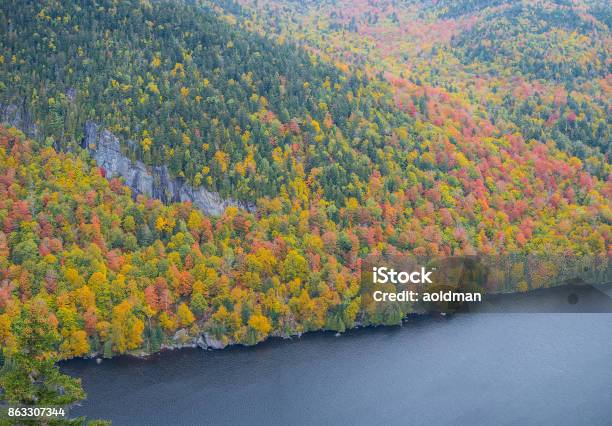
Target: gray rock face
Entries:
(155, 181)
(201, 343)
(182, 339)
(211, 342)
(17, 116)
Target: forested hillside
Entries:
(355, 133)
(538, 68)
(187, 89)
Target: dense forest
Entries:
(540, 68)
(360, 131)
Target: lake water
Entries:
(486, 368)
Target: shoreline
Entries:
(584, 298)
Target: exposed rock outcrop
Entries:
(206, 341)
(18, 116)
(181, 339)
(155, 181)
(105, 148)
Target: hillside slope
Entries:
(345, 166)
(540, 68)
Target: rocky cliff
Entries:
(17, 116)
(155, 181)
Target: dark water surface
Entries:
(509, 368)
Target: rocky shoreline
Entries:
(566, 298)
